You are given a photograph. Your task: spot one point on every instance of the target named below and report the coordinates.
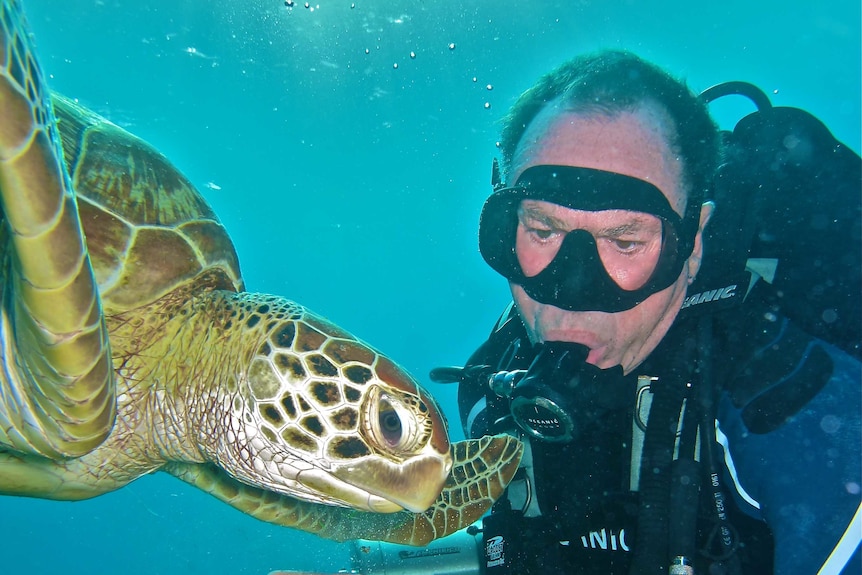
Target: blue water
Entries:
(353, 185)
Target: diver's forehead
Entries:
(635, 143)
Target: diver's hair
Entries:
(614, 81)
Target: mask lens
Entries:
(626, 244)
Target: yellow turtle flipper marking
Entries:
(57, 394)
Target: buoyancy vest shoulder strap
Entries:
(787, 228)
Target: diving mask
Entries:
(578, 277)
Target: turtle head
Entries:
(323, 417)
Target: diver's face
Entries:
(633, 143)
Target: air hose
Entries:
(707, 395)
(651, 555)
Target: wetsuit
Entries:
(787, 427)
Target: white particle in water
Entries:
(395, 65)
(413, 54)
(489, 87)
(451, 45)
(487, 105)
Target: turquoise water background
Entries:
(347, 148)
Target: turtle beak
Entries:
(413, 485)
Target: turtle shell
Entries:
(148, 230)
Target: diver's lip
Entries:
(596, 345)
(587, 338)
(596, 355)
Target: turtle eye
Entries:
(393, 425)
(389, 423)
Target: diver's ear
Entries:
(696, 257)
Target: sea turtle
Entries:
(136, 349)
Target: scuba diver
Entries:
(681, 355)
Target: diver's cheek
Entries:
(527, 309)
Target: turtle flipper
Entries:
(57, 390)
(482, 470)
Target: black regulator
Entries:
(553, 399)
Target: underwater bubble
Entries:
(830, 423)
(367, 51)
(451, 45)
(489, 87)
(475, 79)
(413, 55)
(395, 65)
(487, 105)
(829, 315)
(352, 5)
(497, 143)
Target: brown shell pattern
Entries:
(148, 229)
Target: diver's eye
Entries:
(390, 424)
(626, 246)
(541, 234)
